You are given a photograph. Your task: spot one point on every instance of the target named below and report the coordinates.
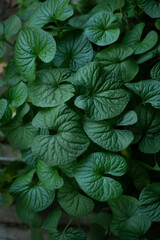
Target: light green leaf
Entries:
(117, 59)
(68, 140)
(51, 88)
(148, 128)
(17, 94)
(3, 106)
(51, 222)
(148, 90)
(20, 136)
(102, 28)
(10, 27)
(103, 94)
(30, 195)
(2, 49)
(108, 135)
(155, 72)
(150, 201)
(90, 175)
(133, 39)
(73, 51)
(50, 11)
(28, 158)
(33, 42)
(72, 201)
(126, 212)
(70, 234)
(0, 199)
(49, 176)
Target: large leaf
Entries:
(51, 88)
(109, 134)
(33, 42)
(30, 195)
(49, 176)
(148, 90)
(102, 29)
(151, 7)
(68, 140)
(117, 59)
(126, 212)
(9, 27)
(148, 129)
(72, 201)
(73, 51)
(3, 106)
(155, 72)
(103, 94)
(50, 11)
(17, 94)
(133, 39)
(150, 201)
(90, 175)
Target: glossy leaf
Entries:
(26, 192)
(90, 175)
(117, 59)
(103, 94)
(32, 43)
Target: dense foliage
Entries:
(83, 106)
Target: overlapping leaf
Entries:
(151, 7)
(90, 175)
(67, 142)
(117, 59)
(33, 43)
(103, 94)
(155, 72)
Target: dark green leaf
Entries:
(51, 222)
(3, 106)
(2, 49)
(155, 72)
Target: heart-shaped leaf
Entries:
(68, 140)
(102, 28)
(103, 94)
(108, 133)
(150, 201)
(90, 175)
(148, 90)
(72, 201)
(49, 176)
(51, 88)
(151, 7)
(33, 42)
(133, 39)
(50, 11)
(26, 192)
(117, 59)
(73, 51)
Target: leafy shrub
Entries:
(82, 105)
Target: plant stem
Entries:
(120, 6)
(68, 224)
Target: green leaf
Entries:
(68, 169)
(148, 129)
(133, 39)
(50, 11)
(150, 201)
(10, 27)
(117, 59)
(157, 24)
(30, 195)
(31, 218)
(28, 158)
(17, 94)
(79, 21)
(73, 51)
(144, 57)
(103, 219)
(72, 201)
(102, 28)
(90, 175)
(155, 72)
(103, 96)
(20, 136)
(109, 134)
(151, 8)
(51, 222)
(68, 140)
(0, 199)
(3, 107)
(107, 5)
(70, 234)
(126, 212)
(148, 90)
(49, 176)
(33, 42)
(51, 88)
(2, 49)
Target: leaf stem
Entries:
(68, 224)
